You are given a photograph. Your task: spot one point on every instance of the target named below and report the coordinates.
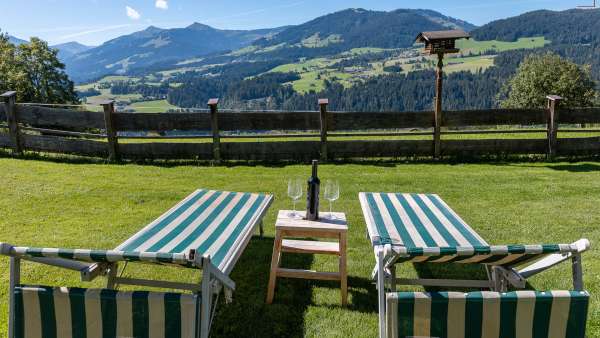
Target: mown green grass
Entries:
(157, 106)
(476, 47)
(86, 205)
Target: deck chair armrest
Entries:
(206, 264)
(552, 260)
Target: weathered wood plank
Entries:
(60, 118)
(5, 141)
(161, 122)
(270, 151)
(64, 145)
(2, 112)
(485, 117)
(166, 150)
(230, 121)
(579, 115)
(379, 120)
(578, 146)
(494, 147)
(380, 148)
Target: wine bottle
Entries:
(312, 194)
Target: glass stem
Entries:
(294, 207)
(330, 212)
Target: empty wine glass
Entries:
(294, 192)
(331, 193)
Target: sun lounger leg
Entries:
(577, 272)
(262, 229)
(112, 275)
(392, 278)
(206, 299)
(381, 292)
(15, 279)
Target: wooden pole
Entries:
(553, 102)
(9, 99)
(437, 141)
(324, 128)
(111, 133)
(214, 123)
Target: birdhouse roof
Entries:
(442, 35)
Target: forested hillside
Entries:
(361, 60)
(573, 27)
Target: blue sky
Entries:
(95, 21)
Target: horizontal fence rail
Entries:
(300, 135)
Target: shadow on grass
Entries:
(576, 167)
(450, 271)
(248, 315)
(362, 294)
(379, 162)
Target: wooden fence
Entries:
(45, 129)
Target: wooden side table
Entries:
(325, 227)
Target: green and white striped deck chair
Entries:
(208, 230)
(422, 228)
(520, 314)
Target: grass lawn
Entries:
(476, 47)
(88, 205)
(158, 106)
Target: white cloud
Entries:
(162, 4)
(132, 13)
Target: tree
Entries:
(34, 71)
(542, 75)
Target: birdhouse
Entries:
(441, 41)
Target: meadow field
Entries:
(57, 202)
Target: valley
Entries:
(330, 56)
(347, 68)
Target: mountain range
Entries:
(341, 30)
(65, 50)
(154, 45)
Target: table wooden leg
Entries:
(343, 269)
(274, 266)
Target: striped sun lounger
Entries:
(520, 314)
(208, 230)
(422, 228)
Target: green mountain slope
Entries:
(354, 28)
(574, 26)
(154, 45)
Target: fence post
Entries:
(214, 123)
(437, 139)
(553, 102)
(324, 128)
(9, 99)
(111, 133)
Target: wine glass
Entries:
(294, 192)
(331, 193)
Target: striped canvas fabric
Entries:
(521, 314)
(423, 228)
(415, 220)
(106, 256)
(214, 223)
(45, 312)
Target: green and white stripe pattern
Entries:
(45, 312)
(423, 228)
(415, 220)
(521, 314)
(214, 223)
(102, 256)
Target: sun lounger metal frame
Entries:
(409, 216)
(95, 263)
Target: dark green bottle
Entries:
(312, 194)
